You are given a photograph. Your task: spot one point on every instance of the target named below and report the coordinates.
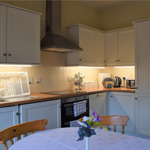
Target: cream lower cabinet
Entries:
(19, 36)
(98, 103)
(8, 117)
(142, 112)
(92, 43)
(49, 110)
(120, 47)
(121, 103)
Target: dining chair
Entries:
(115, 120)
(21, 129)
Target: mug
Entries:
(3, 93)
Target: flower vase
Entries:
(87, 143)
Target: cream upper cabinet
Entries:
(126, 47)
(142, 56)
(23, 36)
(120, 47)
(111, 48)
(100, 49)
(19, 35)
(2, 33)
(87, 41)
(92, 43)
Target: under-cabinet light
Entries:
(90, 67)
(23, 65)
(124, 67)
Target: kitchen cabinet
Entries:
(92, 43)
(20, 35)
(142, 56)
(142, 73)
(98, 103)
(120, 47)
(2, 33)
(8, 117)
(142, 111)
(111, 49)
(49, 110)
(126, 47)
(121, 103)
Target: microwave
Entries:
(130, 83)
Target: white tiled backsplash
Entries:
(54, 75)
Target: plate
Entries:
(108, 83)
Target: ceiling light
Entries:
(90, 67)
(124, 67)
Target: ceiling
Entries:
(105, 4)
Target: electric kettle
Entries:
(118, 81)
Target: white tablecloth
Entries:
(66, 139)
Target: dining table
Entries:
(66, 139)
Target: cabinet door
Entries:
(44, 110)
(142, 112)
(126, 47)
(111, 48)
(123, 104)
(98, 103)
(8, 118)
(23, 36)
(87, 42)
(100, 49)
(142, 56)
(2, 33)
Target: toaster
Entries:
(130, 83)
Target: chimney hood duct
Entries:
(53, 40)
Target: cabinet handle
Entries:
(4, 54)
(80, 59)
(97, 94)
(111, 96)
(9, 54)
(17, 113)
(116, 60)
(104, 61)
(135, 98)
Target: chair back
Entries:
(115, 120)
(21, 129)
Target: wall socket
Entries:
(126, 77)
(37, 80)
(30, 80)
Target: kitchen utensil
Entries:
(108, 83)
(101, 77)
(3, 93)
(130, 83)
(118, 81)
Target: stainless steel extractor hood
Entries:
(53, 40)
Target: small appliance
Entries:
(118, 81)
(130, 83)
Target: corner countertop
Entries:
(47, 97)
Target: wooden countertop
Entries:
(47, 97)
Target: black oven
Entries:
(67, 109)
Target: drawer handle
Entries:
(111, 96)
(9, 54)
(135, 98)
(116, 60)
(4, 54)
(80, 59)
(97, 94)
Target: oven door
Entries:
(67, 114)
